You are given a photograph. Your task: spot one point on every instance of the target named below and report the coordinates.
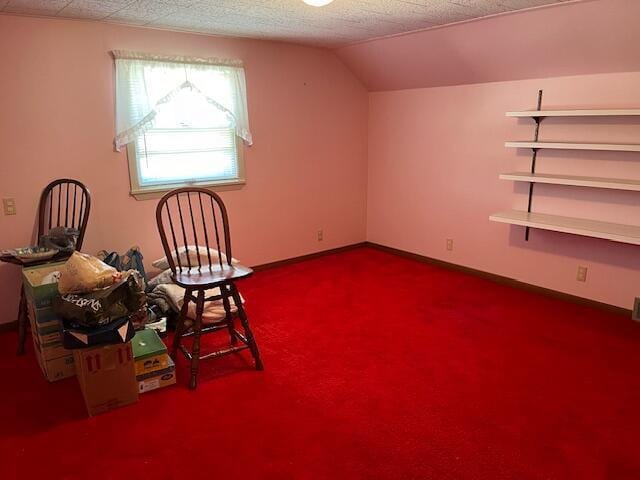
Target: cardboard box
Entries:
(107, 377)
(57, 368)
(49, 332)
(159, 379)
(39, 294)
(48, 338)
(149, 352)
(55, 361)
(41, 315)
(46, 332)
(50, 351)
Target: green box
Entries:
(149, 352)
(146, 343)
(38, 294)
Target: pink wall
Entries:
(591, 36)
(306, 170)
(434, 154)
(434, 159)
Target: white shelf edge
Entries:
(633, 112)
(610, 147)
(571, 180)
(615, 232)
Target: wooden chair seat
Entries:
(209, 277)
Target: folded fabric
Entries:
(164, 277)
(192, 252)
(160, 300)
(174, 295)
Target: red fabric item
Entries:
(376, 367)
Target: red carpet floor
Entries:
(376, 367)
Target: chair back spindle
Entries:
(64, 203)
(192, 222)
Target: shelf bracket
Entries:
(533, 159)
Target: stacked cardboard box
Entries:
(107, 378)
(40, 288)
(154, 368)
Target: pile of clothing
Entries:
(168, 297)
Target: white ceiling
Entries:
(339, 23)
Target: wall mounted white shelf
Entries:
(572, 180)
(577, 226)
(616, 232)
(609, 147)
(576, 113)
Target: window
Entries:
(184, 121)
(190, 142)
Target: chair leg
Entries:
(197, 332)
(229, 315)
(253, 346)
(180, 324)
(22, 321)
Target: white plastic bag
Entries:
(83, 273)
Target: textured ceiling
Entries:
(340, 23)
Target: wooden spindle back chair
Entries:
(194, 231)
(64, 203)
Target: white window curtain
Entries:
(146, 82)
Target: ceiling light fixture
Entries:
(317, 3)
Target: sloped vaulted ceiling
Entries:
(592, 36)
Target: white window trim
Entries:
(156, 191)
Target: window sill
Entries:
(150, 193)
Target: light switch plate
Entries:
(9, 206)
(582, 274)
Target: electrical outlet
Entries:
(582, 274)
(450, 244)
(636, 310)
(320, 235)
(9, 206)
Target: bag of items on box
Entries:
(97, 302)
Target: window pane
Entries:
(192, 140)
(192, 110)
(174, 155)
